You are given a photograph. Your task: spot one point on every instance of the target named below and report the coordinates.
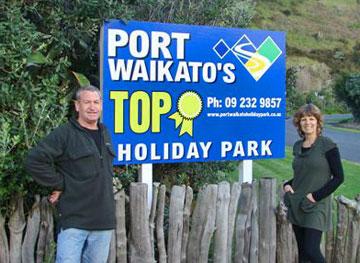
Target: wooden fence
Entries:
(237, 223)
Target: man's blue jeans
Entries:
(76, 245)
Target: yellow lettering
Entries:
(119, 97)
(142, 111)
(160, 104)
(139, 121)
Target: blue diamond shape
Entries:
(221, 49)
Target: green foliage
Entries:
(81, 79)
(348, 89)
(42, 42)
(294, 99)
(193, 174)
(125, 175)
(325, 98)
(356, 53)
(33, 91)
(199, 12)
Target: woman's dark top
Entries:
(317, 170)
(333, 158)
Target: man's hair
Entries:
(308, 110)
(86, 88)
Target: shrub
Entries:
(348, 90)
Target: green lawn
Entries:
(282, 170)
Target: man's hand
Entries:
(54, 197)
(310, 197)
(288, 188)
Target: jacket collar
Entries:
(76, 124)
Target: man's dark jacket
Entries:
(69, 160)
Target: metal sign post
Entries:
(246, 171)
(146, 176)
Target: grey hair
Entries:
(87, 88)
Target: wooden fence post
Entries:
(121, 240)
(222, 220)
(202, 225)
(45, 249)
(32, 232)
(140, 247)
(284, 237)
(154, 200)
(254, 248)
(330, 239)
(267, 220)
(186, 226)
(243, 225)
(4, 247)
(40, 249)
(352, 244)
(112, 249)
(341, 229)
(176, 212)
(233, 206)
(16, 227)
(329, 246)
(160, 225)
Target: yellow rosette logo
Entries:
(189, 107)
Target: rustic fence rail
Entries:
(237, 223)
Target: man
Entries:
(75, 161)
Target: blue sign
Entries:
(182, 93)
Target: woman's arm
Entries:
(333, 158)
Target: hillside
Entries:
(323, 37)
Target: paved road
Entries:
(348, 142)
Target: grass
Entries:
(281, 169)
(350, 187)
(296, 60)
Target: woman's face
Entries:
(308, 125)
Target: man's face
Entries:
(88, 106)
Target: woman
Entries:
(317, 173)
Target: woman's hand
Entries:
(311, 198)
(288, 188)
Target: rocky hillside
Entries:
(323, 37)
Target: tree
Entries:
(348, 89)
(294, 98)
(36, 65)
(33, 91)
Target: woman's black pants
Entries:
(308, 242)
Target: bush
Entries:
(216, 12)
(33, 95)
(193, 174)
(37, 58)
(348, 89)
(325, 98)
(294, 98)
